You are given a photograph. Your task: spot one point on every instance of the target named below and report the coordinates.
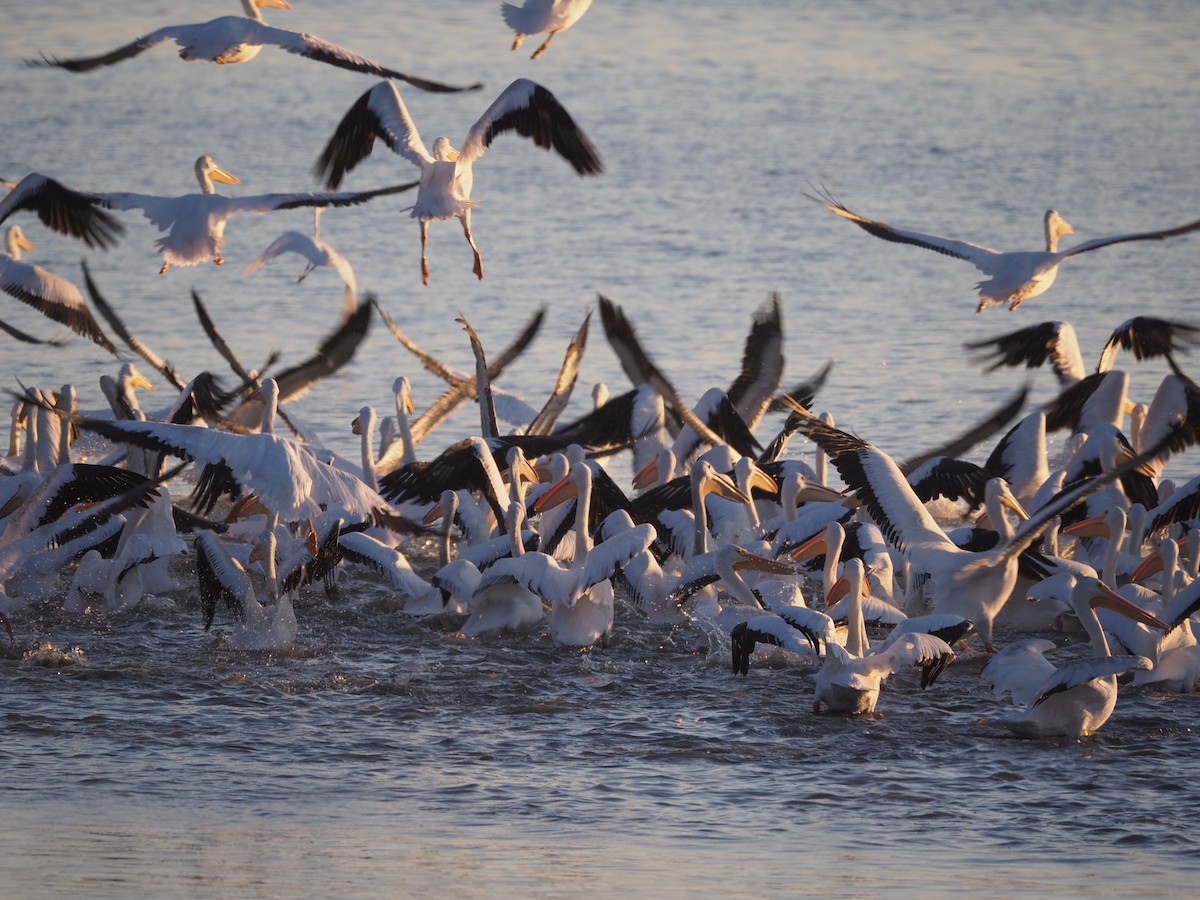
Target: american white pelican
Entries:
(580, 592)
(63, 210)
(850, 677)
(318, 253)
(662, 596)
(1014, 276)
(196, 222)
(235, 39)
(504, 603)
(269, 625)
(1076, 698)
(472, 463)
(392, 565)
(797, 629)
(288, 479)
(26, 338)
(1176, 654)
(112, 585)
(975, 585)
(539, 16)
(447, 174)
(52, 296)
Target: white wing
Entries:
(390, 563)
(1020, 669)
(53, 297)
(1080, 671)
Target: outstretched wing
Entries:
(314, 47)
(533, 112)
(63, 210)
(52, 296)
(180, 33)
(1097, 243)
(379, 112)
(980, 257)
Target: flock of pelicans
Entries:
(738, 538)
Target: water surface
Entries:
(388, 755)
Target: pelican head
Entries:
(443, 150)
(130, 378)
(251, 7)
(1056, 227)
(403, 391)
(16, 241)
(207, 171)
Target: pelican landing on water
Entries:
(446, 174)
(1014, 276)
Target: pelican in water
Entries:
(974, 585)
(1076, 698)
(850, 677)
(261, 625)
(52, 296)
(196, 222)
(1013, 276)
(540, 17)
(235, 39)
(580, 592)
(446, 174)
(318, 253)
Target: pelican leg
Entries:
(517, 40)
(217, 258)
(424, 260)
(165, 266)
(304, 274)
(466, 224)
(542, 49)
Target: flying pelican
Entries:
(446, 175)
(538, 16)
(235, 39)
(1014, 276)
(52, 296)
(196, 222)
(1076, 698)
(318, 253)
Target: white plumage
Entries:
(447, 174)
(196, 222)
(1014, 276)
(235, 39)
(541, 16)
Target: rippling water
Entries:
(389, 755)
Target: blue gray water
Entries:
(388, 755)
